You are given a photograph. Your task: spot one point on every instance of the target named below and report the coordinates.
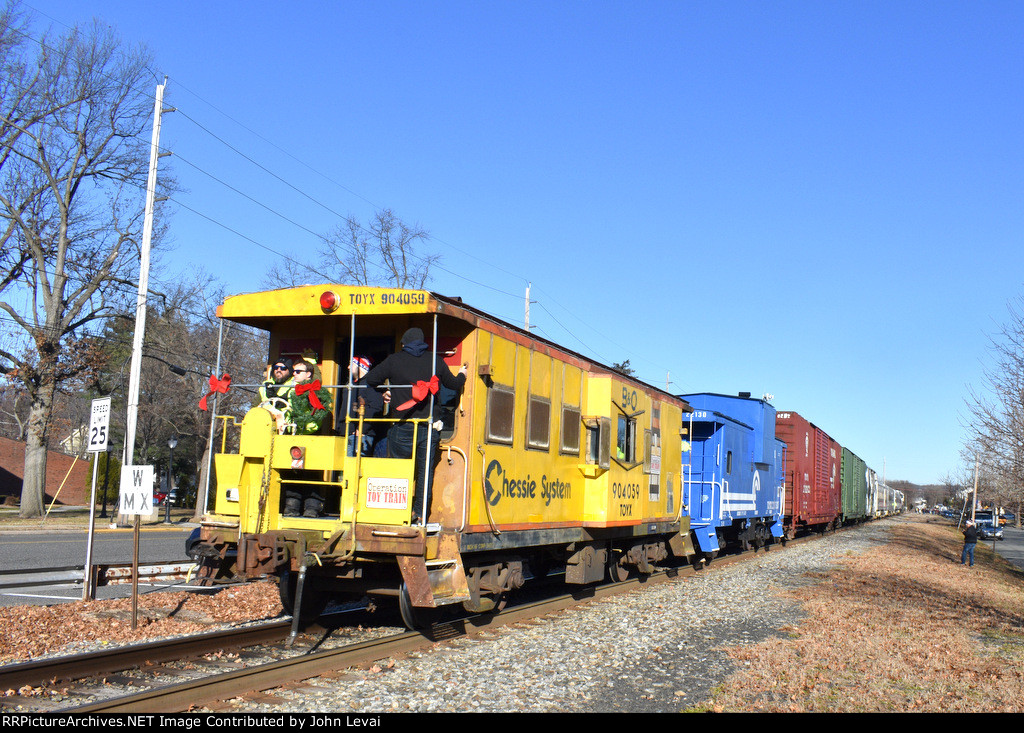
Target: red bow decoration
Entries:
(420, 390)
(216, 385)
(311, 387)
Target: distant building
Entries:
(67, 476)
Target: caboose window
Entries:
(652, 452)
(501, 402)
(538, 420)
(570, 430)
(599, 441)
(625, 446)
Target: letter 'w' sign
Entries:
(136, 490)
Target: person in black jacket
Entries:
(970, 540)
(414, 378)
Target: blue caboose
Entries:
(734, 491)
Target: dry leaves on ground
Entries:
(903, 627)
(30, 632)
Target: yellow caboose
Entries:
(545, 462)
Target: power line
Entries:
(206, 130)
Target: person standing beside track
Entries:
(414, 377)
(970, 540)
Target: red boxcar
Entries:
(813, 475)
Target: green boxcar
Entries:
(854, 488)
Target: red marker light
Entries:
(298, 454)
(329, 301)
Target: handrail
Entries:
(224, 429)
(483, 487)
(715, 485)
(465, 481)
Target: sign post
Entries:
(136, 498)
(99, 434)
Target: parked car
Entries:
(988, 532)
(191, 545)
(158, 498)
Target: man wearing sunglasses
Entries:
(276, 391)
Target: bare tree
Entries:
(386, 251)
(181, 353)
(996, 414)
(74, 155)
(623, 367)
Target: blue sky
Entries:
(816, 200)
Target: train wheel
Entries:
(414, 617)
(761, 537)
(617, 572)
(418, 618)
(702, 559)
(501, 600)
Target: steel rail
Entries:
(106, 574)
(186, 696)
(189, 695)
(94, 664)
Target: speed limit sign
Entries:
(99, 425)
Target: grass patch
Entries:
(898, 628)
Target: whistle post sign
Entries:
(136, 490)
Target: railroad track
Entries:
(104, 574)
(202, 672)
(259, 666)
(96, 678)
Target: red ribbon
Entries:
(216, 386)
(420, 390)
(311, 387)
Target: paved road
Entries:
(1012, 546)
(46, 549)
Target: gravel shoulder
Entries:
(664, 648)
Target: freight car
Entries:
(546, 462)
(854, 488)
(734, 482)
(886, 501)
(812, 475)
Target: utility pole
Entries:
(528, 301)
(974, 496)
(128, 459)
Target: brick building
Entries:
(66, 474)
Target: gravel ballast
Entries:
(658, 649)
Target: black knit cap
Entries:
(412, 336)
